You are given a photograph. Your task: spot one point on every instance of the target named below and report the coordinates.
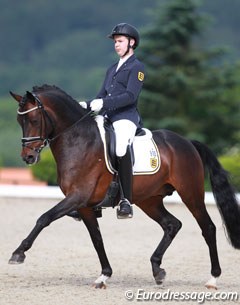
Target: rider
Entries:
(117, 100)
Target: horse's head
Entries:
(34, 122)
(45, 114)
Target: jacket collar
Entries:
(129, 60)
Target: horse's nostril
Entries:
(29, 159)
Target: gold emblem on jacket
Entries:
(141, 76)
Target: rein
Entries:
(70, 127)
(45, 140)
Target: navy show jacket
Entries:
(120, 91)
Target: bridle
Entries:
(44, 140)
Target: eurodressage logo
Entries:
(153, 159)
(141, 76)
(200, 297)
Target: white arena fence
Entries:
(54, 192)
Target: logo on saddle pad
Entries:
(146, 154)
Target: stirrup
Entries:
(124, 209)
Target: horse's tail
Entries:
(223, 193)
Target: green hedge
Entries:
(231, 163)
(45, 170)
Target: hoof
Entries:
(100, 282)
(17, 259)
(211, 287)
(211, 284)
(99, 285)
(160, 276)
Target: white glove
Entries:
(96, 105)
(83, 104)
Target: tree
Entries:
(188, 89)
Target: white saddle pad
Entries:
(146, 154)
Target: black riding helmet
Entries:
(127, 30)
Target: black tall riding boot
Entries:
(124, 209)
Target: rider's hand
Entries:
(83, 104)
(96, 105)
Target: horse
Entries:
(49, 116)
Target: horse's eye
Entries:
(34, 122)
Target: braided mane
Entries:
(53, 90)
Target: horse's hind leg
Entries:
(154, 208)
(198, 209)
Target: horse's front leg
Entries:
(61, 209)
(89, 218)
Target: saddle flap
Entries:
(146, 154)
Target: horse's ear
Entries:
(30, 96)
(17, 97)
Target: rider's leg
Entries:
(125, 176)
(125, 131)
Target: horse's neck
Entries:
(82, 133)
(76, 148)
(64, 119)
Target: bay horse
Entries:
(48, 115)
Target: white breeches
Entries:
(125, 131)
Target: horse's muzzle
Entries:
(31, 159)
